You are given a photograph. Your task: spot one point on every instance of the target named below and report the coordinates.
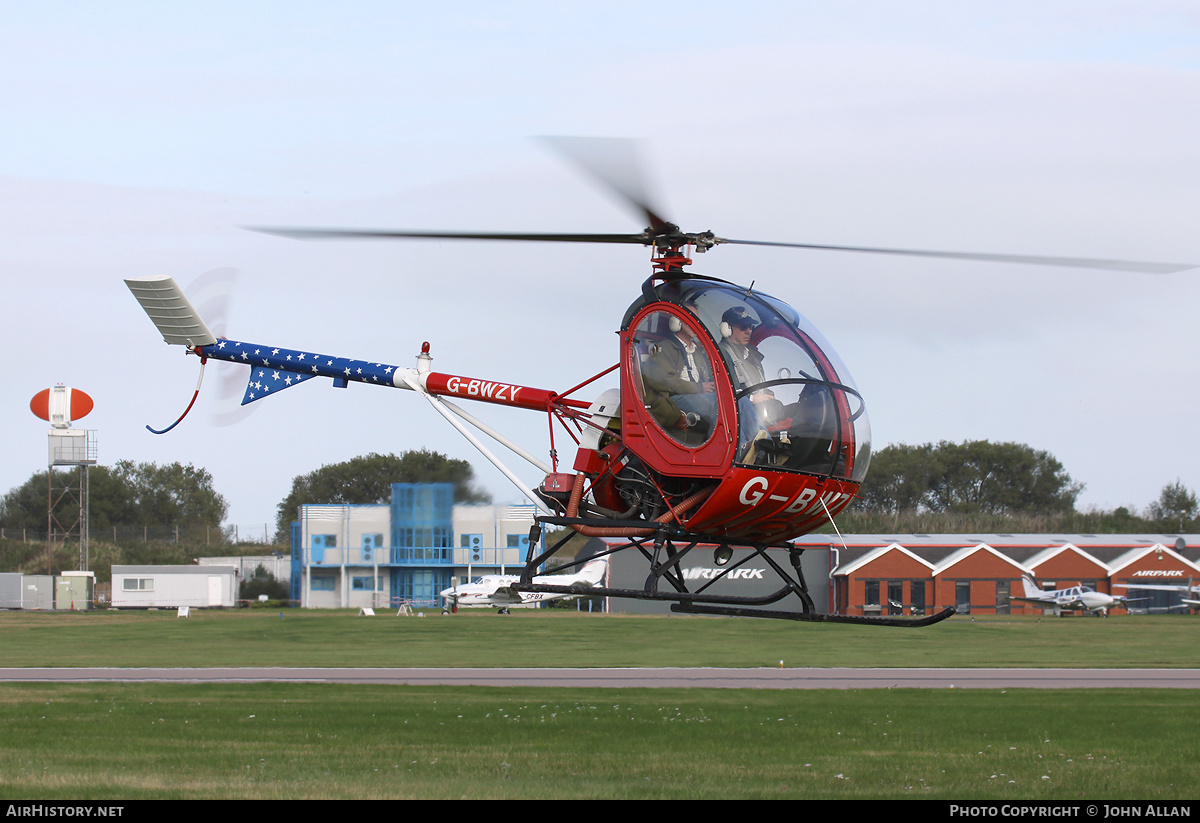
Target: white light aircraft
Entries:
(1190, 588)
(1075, 599)
(497, 589)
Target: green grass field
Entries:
(309, 741)
(298, 637)
(131, 741)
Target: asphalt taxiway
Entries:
(699, 678)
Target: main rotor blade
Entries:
(613, 162)
(1037, 260)
(706, 240)
(384, 234)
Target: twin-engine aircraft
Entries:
(1189, 589)
(1074, 599)
(497, 589)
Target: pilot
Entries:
(679, 381)
(737, 327)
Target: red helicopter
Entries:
(735, 424)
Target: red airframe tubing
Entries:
(593, 379)
(491, 391)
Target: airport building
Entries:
(405, 551)
(69, 591)
(982, 574)
(744, 574)
(169, 587)
(906, 575)
(408, 550)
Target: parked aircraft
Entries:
(497, 589)
(1191, 588)
(1075, 599)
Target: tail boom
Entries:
(273, 369)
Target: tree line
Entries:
(124, 494)
(943, 487)
(177, 496)
(978, 485)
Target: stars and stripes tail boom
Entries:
(273, 369)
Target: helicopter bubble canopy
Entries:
(798, 408)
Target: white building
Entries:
(168, 587)
(279, 565)
(406, 551)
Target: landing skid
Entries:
(665, 582)
(910, 622)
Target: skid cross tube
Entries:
(665, 569)
(665, 550)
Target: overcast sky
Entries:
(136, 138)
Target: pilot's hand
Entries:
(708, 388)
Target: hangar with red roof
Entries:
(982, 574)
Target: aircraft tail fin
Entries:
(594, 571)
(1031, 588)
(591, 548)
(265, 380)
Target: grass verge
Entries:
(297, 637)
(311, 741)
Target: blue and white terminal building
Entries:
(405, 551)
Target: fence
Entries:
(191, 535)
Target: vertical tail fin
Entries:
(594, 571)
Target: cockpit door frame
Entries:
(645, 436)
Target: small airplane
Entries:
(1075, 599)
(497, 589)
(1191, 588)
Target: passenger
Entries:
(679, 382)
